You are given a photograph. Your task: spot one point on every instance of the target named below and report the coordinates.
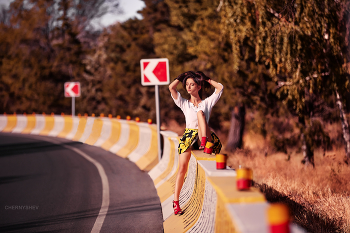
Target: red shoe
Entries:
(203, 142)
(177, 209)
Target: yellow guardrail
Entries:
(209, 198)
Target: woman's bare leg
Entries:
(184, 158)
(203, 128)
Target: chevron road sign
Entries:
(71, 89)
(155, 71)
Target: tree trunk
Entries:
(235, 134)
(307, 153)
(306, 148)
(345, 128)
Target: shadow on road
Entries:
(44, 224)
(10, 179)
(58, 223)
(32, 147)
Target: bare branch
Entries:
(282, 83)
(220, 5)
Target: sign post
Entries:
(72, 89)
(156, 92)
(73, 106)
(155, 72)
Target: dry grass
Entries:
(319, 197)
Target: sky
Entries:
(129, 7)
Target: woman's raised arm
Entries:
(218, 86)
(173, 85)
(172, 88)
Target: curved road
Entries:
(46, 185)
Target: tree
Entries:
(43, 45)
(24, 54)
(302, 43)
(126, 44)
(235, 136)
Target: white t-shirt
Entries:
(190, 111)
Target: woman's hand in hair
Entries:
(204, 79)
(202, 76)
(215, 84)
(182, 76)
(173, 85)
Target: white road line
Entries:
(105, 187)
(105, 190)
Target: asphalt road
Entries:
(48, 187)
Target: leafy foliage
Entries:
(278, 58)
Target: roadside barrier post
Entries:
(221, 161)
(208, 148)
(244, 178)
(278, 218)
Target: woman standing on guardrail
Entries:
(197, 112)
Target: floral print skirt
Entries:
(190, 137)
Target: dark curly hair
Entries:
(198, 77)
